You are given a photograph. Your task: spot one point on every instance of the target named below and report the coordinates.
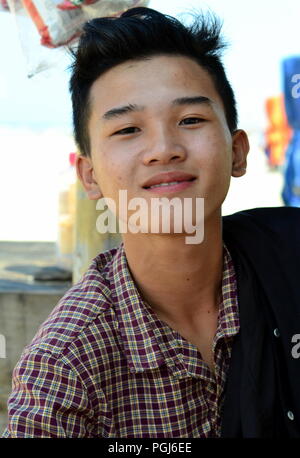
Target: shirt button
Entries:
(290, 415)
(276, 332)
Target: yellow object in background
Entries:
(278, 133)
(88, 241)
(66, 216)
(78, 240)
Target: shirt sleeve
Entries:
(48, 399)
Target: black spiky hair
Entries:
(137, 34)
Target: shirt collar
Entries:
(135, 325)
(147, 343)
(228, 324)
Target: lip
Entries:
(172, 188)
(185, 179)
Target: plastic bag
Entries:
(105, 8)
(58, 26)
(43, 22)
(73, 4)
(37, 58)
(3, 5)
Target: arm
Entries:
(48, 399)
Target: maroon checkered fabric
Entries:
(104, 365)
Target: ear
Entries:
(85, 173)
(240, 150)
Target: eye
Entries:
(191, 120)
(127, 131)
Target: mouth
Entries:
(169, 180)
(169, 184)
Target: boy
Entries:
(164, 338)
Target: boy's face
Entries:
(160, 115)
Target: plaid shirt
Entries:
(104, 365)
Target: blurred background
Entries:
(44, 247)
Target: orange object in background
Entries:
(278, 133)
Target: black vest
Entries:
(262, 392)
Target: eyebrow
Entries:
(130, 108)
(196, 100)
(119, 111)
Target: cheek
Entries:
(214, 153)
(112, 174)
(214, 162)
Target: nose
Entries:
(163, 147)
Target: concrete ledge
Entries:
(20, 316)
(24, 304)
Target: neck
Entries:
(181, 282)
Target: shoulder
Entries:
(88, 304)
(281, 220)
(264, 235)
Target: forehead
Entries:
(152, 80)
